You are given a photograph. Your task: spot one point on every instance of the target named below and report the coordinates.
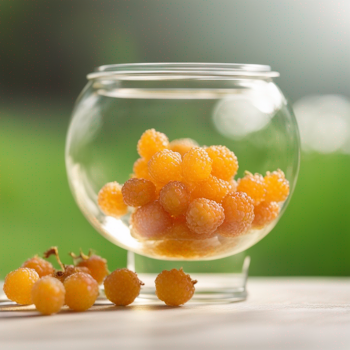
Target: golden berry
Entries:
(196, 165)
(81, 291)
(225, 164)
(182, 146)
(174, 198)
(233, 185)
(138, 192)
(212, 188)
(174, 287)
(265, 213)
(48, 295)
(204, 216)
(151, 142)
(180, 231)
(110, 200)
(239, 214)
(122, 287)
(19, 283)
(41, 266)
(184, 249)
(254, 186)
(68, 271)
(165, 166)
(96, 266)
(277, 186)
(150, 221)
(141, 169)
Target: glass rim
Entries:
(181, 70)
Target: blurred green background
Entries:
(48, 47)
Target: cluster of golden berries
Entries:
(77, 286)
(182, 191)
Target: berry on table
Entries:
(150, 221)
(41, 266)
(66, 270)
(138, 192)
(277, 186)
(96, 265)
(110, 200)
(265, 213)
(69, 270)
(212, 188)
(204, 216)
(174, 198)
(174, 287)
(254, 186)
(165, 166)
(151, 142)
(18, 285)
(81, 291)
(48, 295)
(140, 169)
(182, 146)
(196, 165)
(122, 287)
(225, 164)
(239, 214)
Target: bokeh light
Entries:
(324, 123)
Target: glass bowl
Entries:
(233, 105)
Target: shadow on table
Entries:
(9, 309)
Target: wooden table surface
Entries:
(280, 313)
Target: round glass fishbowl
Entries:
(182, 161)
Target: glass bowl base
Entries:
(211, 287)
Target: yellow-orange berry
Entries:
(233, 185)
(225, 164)
(122, 287)
(97, 267)
(81, 291)
(165, 166)
(41, 266)
(277, 186)
(184, 249)
(151, 142)
(182, 146)
(265, 213)
(141, 169)
(174, 198)
(18, 285)
(196, 165)
(212, 188)
(68, 271)
(138, 192)
(204, 216)
(254, 186)
(150, 221)
(239, 214)
(174, 287)
(48, 295)
(180, 231)
(110, 200)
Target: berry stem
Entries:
(54, 251)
